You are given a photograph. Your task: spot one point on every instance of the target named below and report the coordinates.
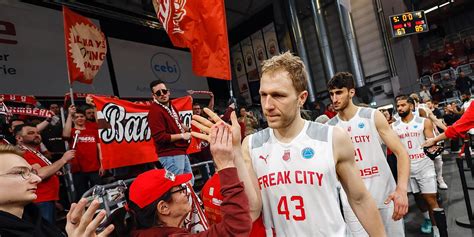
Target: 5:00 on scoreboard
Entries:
(408, 23)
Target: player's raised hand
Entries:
(205, 125)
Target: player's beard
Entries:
(403, 114)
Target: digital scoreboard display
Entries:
(408, 23)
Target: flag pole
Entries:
(67, 60)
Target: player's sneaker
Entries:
(426, 227)
(442, 185)
(436, 232)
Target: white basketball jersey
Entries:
(298, 182)
(369, 156)
(412, 137)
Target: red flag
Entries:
(200, 26)
(85, 47)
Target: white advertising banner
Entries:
(249, 58)
(271, 41)
(137, 64)
(259, 48)
(32, 53)
(237, 60)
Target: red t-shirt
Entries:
(48, 189)
(212, 199)
(86, 159)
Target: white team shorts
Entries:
(424, 181)
(392, 228)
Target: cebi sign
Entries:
(165, 68)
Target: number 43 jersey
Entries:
(298, 182)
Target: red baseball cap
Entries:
(151, 185)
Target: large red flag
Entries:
(85, 47)
(199, 25)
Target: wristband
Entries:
(182, 136)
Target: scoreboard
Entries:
(408, 23)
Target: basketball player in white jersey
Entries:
(413, 131)
(299, 163)
(368, 128)
(423, 110)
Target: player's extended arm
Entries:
(359, 198)
(428, 131)
(390, 138)
(426, 113)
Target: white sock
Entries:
(435, 231)
(426, 214)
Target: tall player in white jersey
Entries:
(368, 128)
(297, 164)
(413, 131)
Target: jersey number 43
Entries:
(297, 202)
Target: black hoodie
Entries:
(31, 224)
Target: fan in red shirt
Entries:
(87, 167)
(29, 139)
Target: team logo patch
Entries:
(361, 125)
(307, 153)
(286, 155)
(349, 129)
(415, 126)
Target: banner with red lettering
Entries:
(125, 138)
(25, 99)
(34, 112)
(200, 26)
(85, 47)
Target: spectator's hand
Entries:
(186, 136)
(221, 145)
(101, 170)
(69, 155)
(72, 109)
(81, 222)
(90, 100)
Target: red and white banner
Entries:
(200, 26)
(34, 112)
(25, 99)
(85, 47)
(125, 138)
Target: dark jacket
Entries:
(162, 126)
(236, 219)
(31, 224)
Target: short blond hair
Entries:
(10, 149)
(290, 63)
